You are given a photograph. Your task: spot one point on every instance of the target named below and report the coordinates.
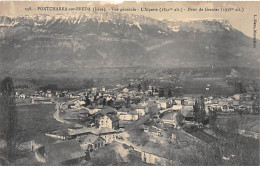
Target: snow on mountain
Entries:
(115, 39)
(207, 24)
(204, 25)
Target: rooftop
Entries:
(90, 138)
(64, 151)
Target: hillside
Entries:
(77, 43)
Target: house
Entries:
(106, 111)
(156, 154)
(119, 103)
(68, 152)
(42, 100)
(177, 101)
(118, 85)
(108, 97)
(247, 105)
(22, 96)
(122, 110)
(176, 107)
(73, 133)
(79, 103)
(190, 100)
(120, 97)
(143, 103)
(129, 116)
(153, 107)
(92, 110)
(125, 90)
(164, 104)
(63, 94)
(91, 142)
(140, 111)
(248, 97)
(235, 103)
(94, 89)
(227, 108)
(108, 134)
(72, 95)
(154, 131)
(48, 95)
(109, 121)
(187, 112)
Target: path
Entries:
(56, 115)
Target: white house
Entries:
(236, 96)
(177, 107)
(128, 116)
(164, 104)
(125, 90)
(109, 121)
(143, 103)
(79, 103)
(178, 101)
(22, 96)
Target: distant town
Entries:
(137, 123)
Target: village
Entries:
(147, 124)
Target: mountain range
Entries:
(78, 42)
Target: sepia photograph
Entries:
(129, 83)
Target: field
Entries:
(34, 121)
(37, 119)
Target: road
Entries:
(127, 142)
(165, 110)
(56, 115)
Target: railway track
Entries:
(205, 137)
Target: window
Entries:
(101, 144)
(98, 145)
(95, 145)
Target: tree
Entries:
(128, 101)
(104, 102)
(179, 118)
(169, 93)
(139, 87)
(213, 119)
(91, 83)
(199, 110)
(87, 102)
(110, 103)
(9, 123)
(161, 93)
(145, 85)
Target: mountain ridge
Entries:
(109, 40)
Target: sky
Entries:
(242, 21)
